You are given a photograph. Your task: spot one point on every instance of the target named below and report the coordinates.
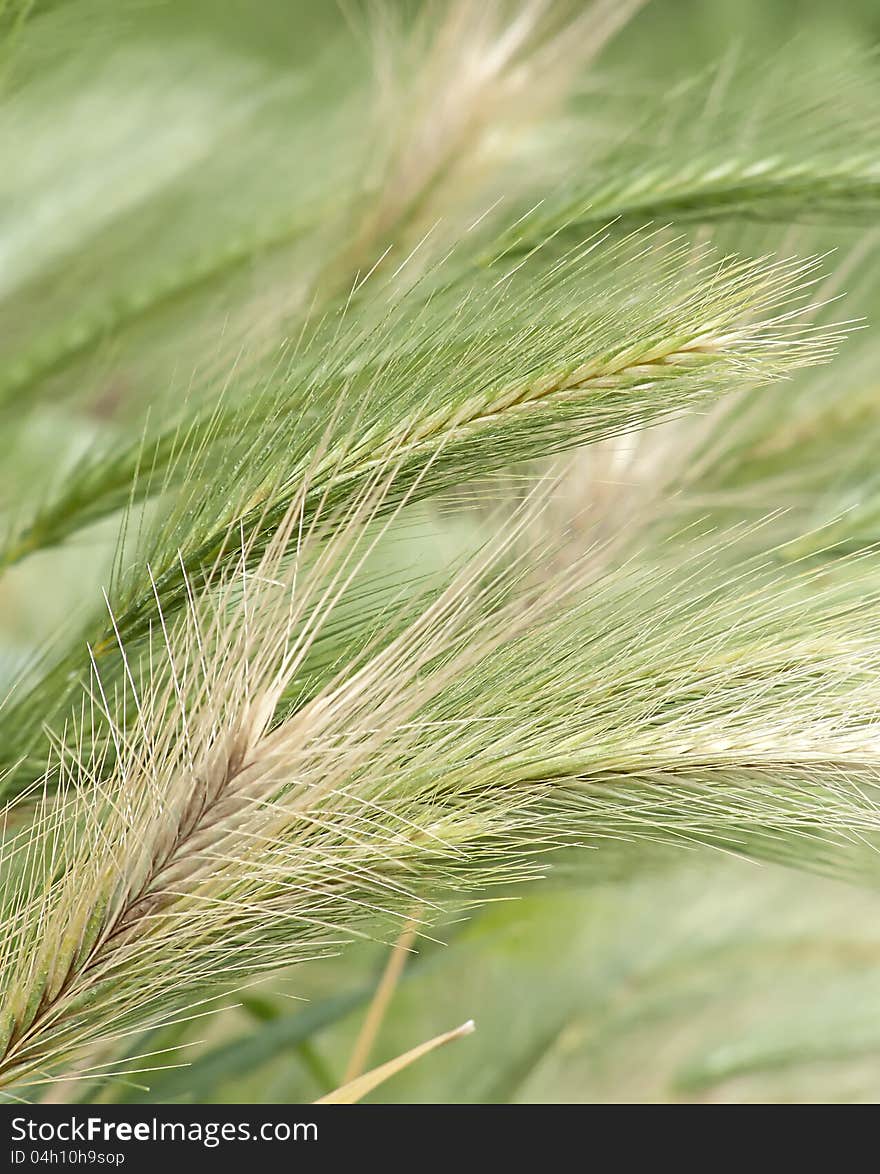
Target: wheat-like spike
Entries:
(750, 145)
(197, 783)
(216, 844)
(446, 400)
(435, 383)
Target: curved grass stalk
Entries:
(238, 798)
(780, 189)
(670, 703)
(694, 326)
(443, 400)
(771, 150)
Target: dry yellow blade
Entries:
(355, 1090)
(377, 1009)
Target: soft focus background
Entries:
(159, 162)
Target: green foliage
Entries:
(404, 499)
